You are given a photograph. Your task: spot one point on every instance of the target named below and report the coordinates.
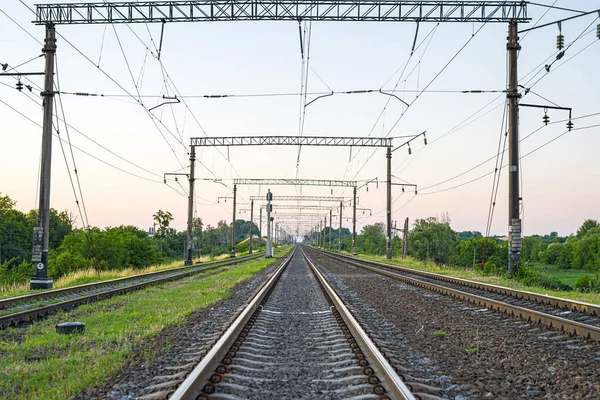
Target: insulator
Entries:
(402, 189)
(425, 140)
(569, 125)
(176, 179)
(165, 181)
(598, 31)
(415, 191)
(409, 150)
(19, 86)
(560, 42)
(546, 118)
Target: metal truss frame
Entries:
(294, 182)
(301, 207)
(300, 198)
(291, 141)
(280, 10)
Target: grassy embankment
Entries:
(566, 276)
(90, 275)
(36, 362)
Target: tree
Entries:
(587, 225)
(163, 219)
(6, 203)
(433, 240)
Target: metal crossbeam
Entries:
(294, 182)
(300, 207)
(291, 141)
(281, 10)
(300, 198)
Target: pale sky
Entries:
(560, 181)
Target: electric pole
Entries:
(340, 230)
(189, 237)
(260, 229)
(269, 253)
(232, 255)
(389, 204)
(251, 223)
(330, 226)
(354, 223)
(41, 233)
(514, 221)
(405, 239)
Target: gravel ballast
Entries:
(472, 352)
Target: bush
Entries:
(587, 284)
(531, 277)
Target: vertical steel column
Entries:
(514, 222)
(354, 223)
(340, 230)
(189, 237)
(330, 226)
(41, 234)
(251, 223)
(389, 204)
(232, 255)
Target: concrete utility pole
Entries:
(260, 229)
(189, 238)
(405, 239)
(354, 223)
(251, 223)
(269, 253)
(389, 204)
(514, 220)
(41, 234)
(330, 226)
(232, 255)
(340, 230)
(325, 232)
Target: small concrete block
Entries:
(66, 328)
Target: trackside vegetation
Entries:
(36, 362)
(549, 262)
(109, 249)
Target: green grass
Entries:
(477, 275)
(83, 277)
(567, 276)
(36, 362)
(440, 333)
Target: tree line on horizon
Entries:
(115, 248)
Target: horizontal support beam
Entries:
(294, 182)
(280, 10)
(300, 207)
(291, 141)
(300, 198)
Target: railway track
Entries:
(569, 316)
(21, 309)
(294, 339)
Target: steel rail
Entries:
(191, 387)
(11, 301)
(383, 370)
(551, 321)
(558, 302)
(13, 319)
